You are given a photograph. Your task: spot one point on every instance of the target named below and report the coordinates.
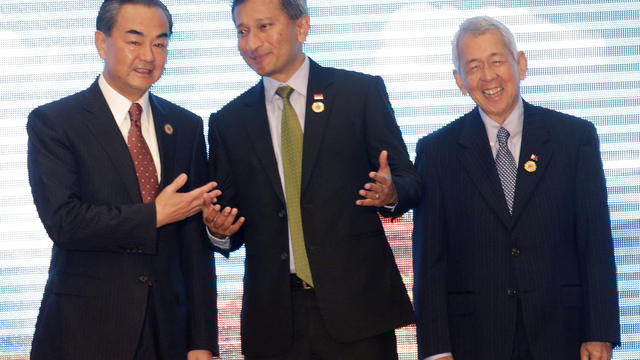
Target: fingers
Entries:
(384, 165)
(177, 183)
(221, 223)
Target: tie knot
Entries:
(135, 112)
(503, 136)
(284, 91)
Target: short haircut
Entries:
(108, 14)
(293, 8)
(477, 26)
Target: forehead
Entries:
(481, 45)
(255, 10)
(142, 17)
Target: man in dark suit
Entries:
(291, 156)
(131, 274)
(513, 256)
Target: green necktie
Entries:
(292, 163)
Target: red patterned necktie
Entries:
(141, 156)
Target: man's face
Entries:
(490, 74)
(268, 40)
(136, 51)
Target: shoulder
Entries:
(172, 109)
(235, 107)
(449, 133)
(348, 77)
(560, 124)
(66, 105)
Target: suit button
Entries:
(284, 256)
(143, 279)
(512, 292)
(282, 213)
(515, 252)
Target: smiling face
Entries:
(490, 74)
(269, 41)
(135, 52)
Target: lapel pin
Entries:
(534, 157)
(168, 129)
(318, 105)
(530, 166)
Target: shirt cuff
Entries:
(392, 208)
(224, 244)
(438, 356)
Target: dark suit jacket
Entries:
(473, 261)
(357, 283)
(106, 246)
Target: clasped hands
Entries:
(222, 222)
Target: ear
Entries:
(460, 83)
(522, 65)
(302, 28)
(100, 39)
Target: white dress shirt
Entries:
(513, 124)
(119, 106)
(274, 105)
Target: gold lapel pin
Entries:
(318, 105)
(530, 166)
(168, 129)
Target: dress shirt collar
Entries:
(120, 105)
(298, 82)
(513, 124)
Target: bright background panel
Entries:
(584, 59)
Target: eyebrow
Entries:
(139, 33)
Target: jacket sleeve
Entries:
(56, 182)
(595, 245)
(430, 258)
(383, 133)
(198, 261)
(220, 171)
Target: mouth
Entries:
(258, 58)
(492, 92)
(143, 71)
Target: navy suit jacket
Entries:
(474, 262)
(106, 247)
(358, 286)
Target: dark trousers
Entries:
(311, 341)
(148, 343)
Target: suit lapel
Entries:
(315, 123)
(101, 124)
(165, 127)
(536, 144)
(475, 155)
(257, 125)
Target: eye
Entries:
(134, 43)
(160, 45)
(242, 32)
(265, 25)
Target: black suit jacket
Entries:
(106, 246)
(357, 283)
(473, 261)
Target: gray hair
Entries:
(108, 14)
(293, 8)
(477, 26)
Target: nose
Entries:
(487, 73)
(254, 41)
(146, 53)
